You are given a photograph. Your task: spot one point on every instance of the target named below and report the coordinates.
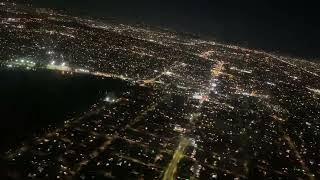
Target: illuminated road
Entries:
(177, 156)
(190, 108)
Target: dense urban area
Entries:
(192, 109)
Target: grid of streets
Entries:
(195, 109)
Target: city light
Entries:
(186, 108)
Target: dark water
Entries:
(31, 101)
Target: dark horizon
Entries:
(284, 28)
(86, 97)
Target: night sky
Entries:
(286, 27)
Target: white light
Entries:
(271, 84)
(52, 63)
(214, 176)
(197, 96)
(63, 64)
(168, 73)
